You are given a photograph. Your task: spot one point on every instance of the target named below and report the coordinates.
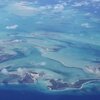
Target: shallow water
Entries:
(50, 46)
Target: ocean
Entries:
(49, 49)
(22, 95)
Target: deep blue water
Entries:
(16, 95)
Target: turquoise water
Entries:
(50, 46)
